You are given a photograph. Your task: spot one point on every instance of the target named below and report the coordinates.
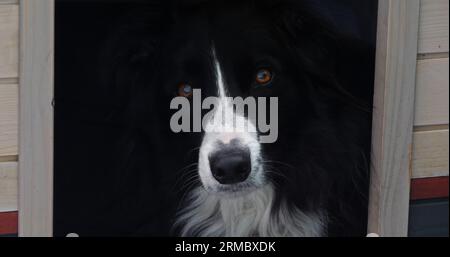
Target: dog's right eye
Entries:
(185, 90)
(263, 77)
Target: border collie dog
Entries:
(313, 180)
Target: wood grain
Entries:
(432, 92)
(36, 118)
(434, 23)
(396, 58)
(430, 155)
(8, 186)
(9, 43)
(9, 97)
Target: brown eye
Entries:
(263, 76)
(185, 90)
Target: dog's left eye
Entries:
(263, 77)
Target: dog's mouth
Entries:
(234, 190)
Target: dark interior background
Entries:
(85, 189)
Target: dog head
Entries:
(254, 50)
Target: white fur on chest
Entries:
(249, 215)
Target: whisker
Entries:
(186, 177)
(278, 162)
(182, 172)
(187, 191)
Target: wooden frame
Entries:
(36, 118)
(392, 128)
(393, 114)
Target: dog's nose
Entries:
(230, 165)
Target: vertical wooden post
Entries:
(36, 118)
(395, 74)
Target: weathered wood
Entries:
(396, 58)
(36, 118)
(8, 119)
(434, 23)
(432, 92)
(8, 186)
(430, 155)
(9, 40)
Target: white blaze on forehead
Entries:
(219, 76)
(223, 119)
(224, 116)
(225, 125)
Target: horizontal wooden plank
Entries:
(9, 99)
(433, 29)
(432, 92)
(430, 154)
(9, 1)
(9, 43)
(8, 186)
(429, 188)
(8, 223)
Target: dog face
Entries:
(215, 58)
(244, 50)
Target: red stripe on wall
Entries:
(8, 223)
(429, 188)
